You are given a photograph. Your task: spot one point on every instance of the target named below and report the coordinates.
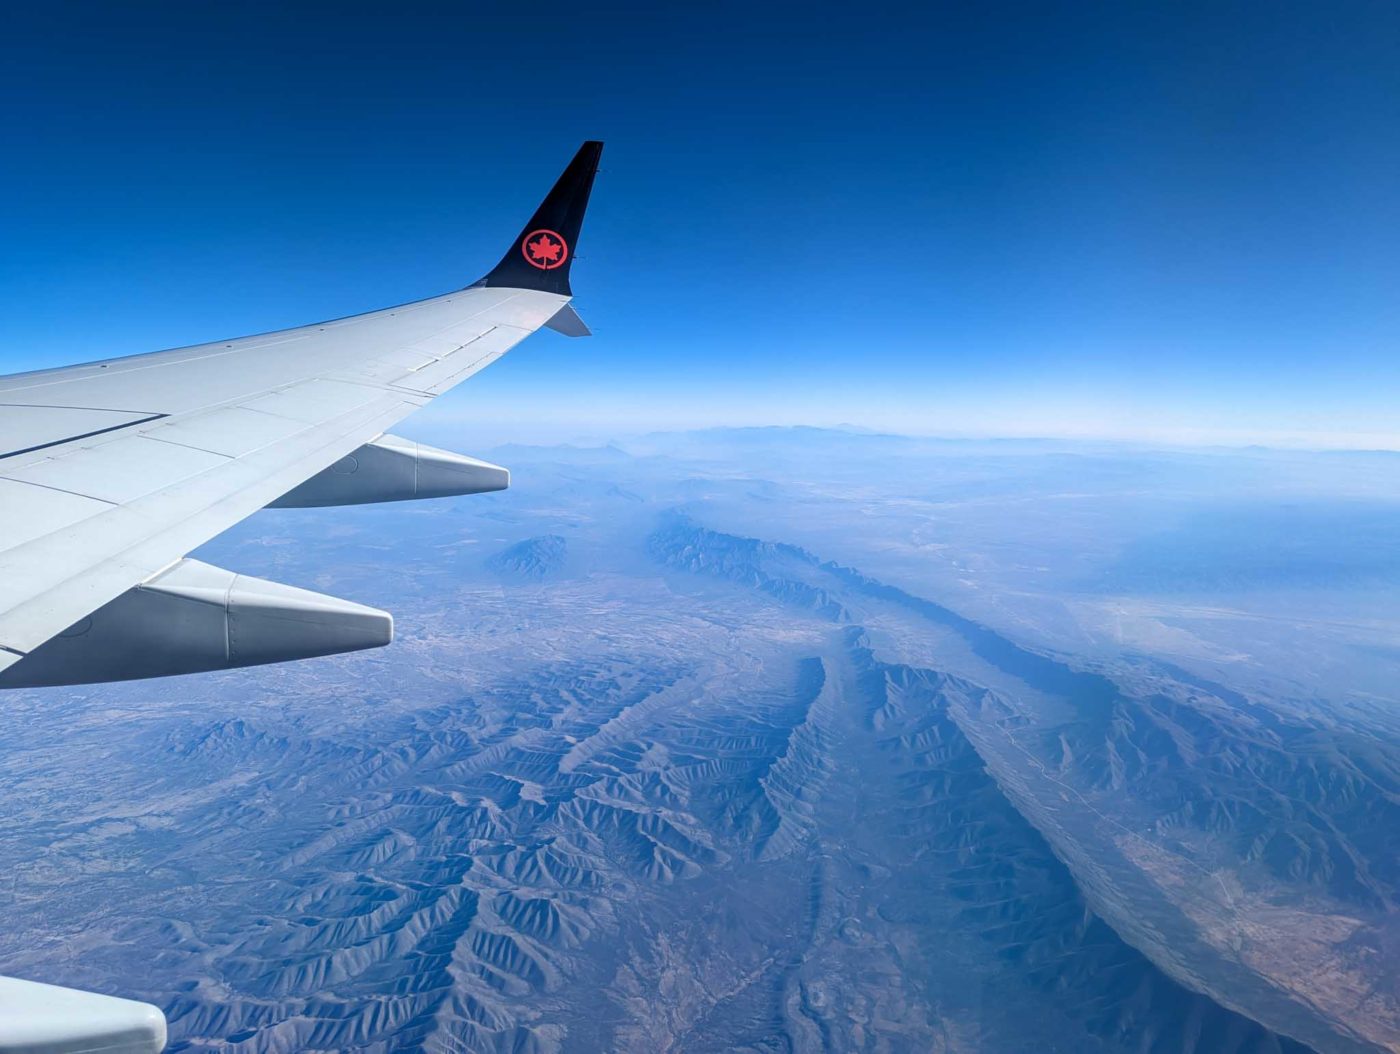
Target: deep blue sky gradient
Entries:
(1178, 220)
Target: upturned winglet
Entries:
(543, 252)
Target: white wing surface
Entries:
(111, 472)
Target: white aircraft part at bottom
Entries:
(46, 1019)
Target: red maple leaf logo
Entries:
(546, 251)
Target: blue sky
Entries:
(1175, 221)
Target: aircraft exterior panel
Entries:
(196, 618)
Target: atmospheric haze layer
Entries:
(765, 740)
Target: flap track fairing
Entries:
(394, 469)
(193, 618)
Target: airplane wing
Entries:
(111, 472)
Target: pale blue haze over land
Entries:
(1167, 221)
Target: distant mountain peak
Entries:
(534, 559)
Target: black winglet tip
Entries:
(543, 252)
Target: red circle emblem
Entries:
(544, 249)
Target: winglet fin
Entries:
(543, 252)
(567, 322)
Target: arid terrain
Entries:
(764, 740)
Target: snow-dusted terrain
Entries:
(764, 740)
